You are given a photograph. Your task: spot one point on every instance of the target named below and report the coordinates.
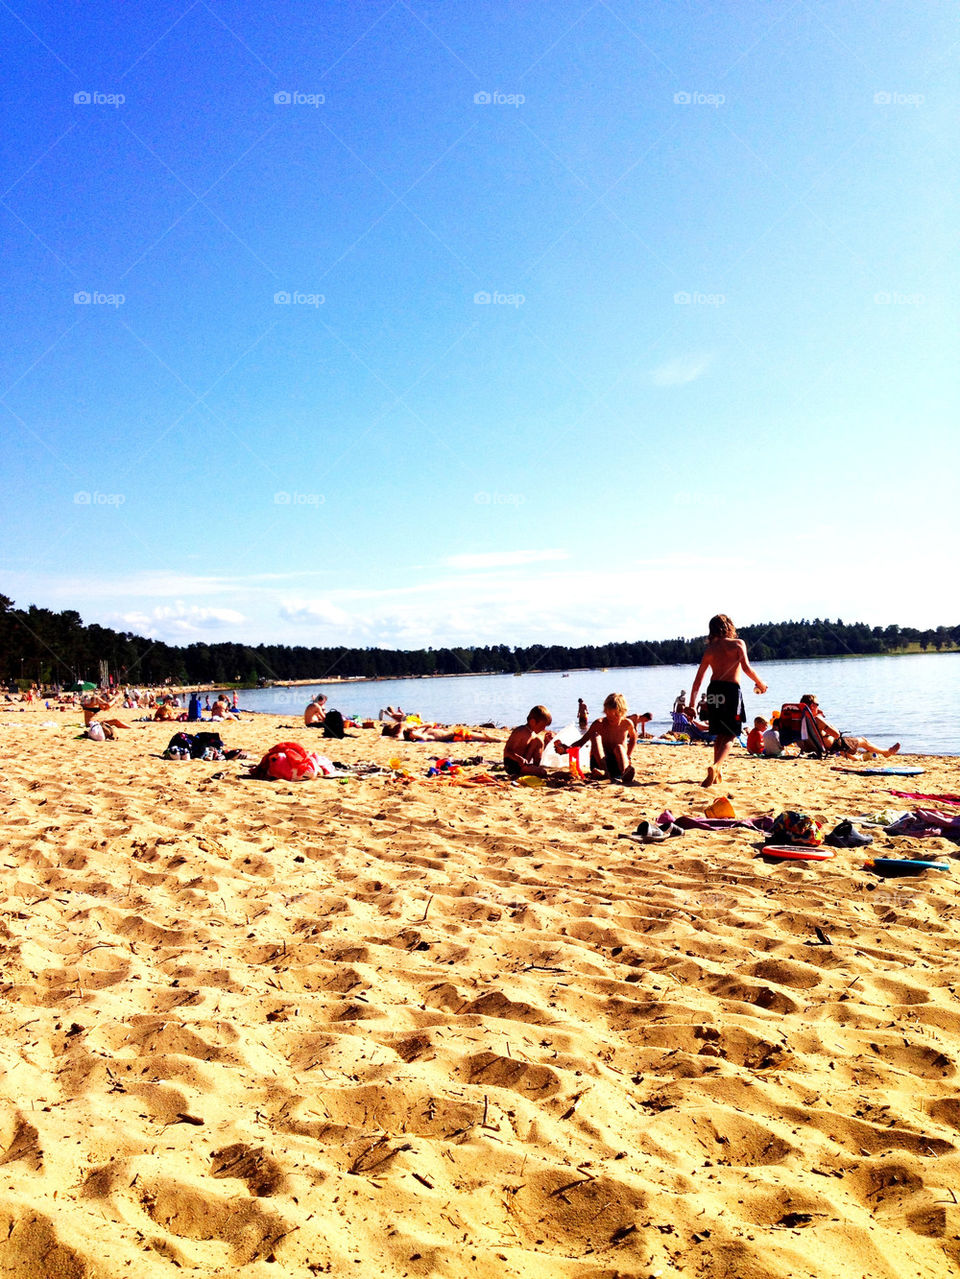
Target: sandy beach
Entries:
(376, 1028)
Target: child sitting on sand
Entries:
(755, 736)
(523, 749)
(771, 741)
(612, 740)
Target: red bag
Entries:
(289, 762)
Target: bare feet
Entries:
(893, 750)
(629, 773)
(711, 777)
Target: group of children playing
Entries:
(611, 741)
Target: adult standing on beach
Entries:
(725, 657)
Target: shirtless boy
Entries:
(640, 723)
(612, 740)
(725, 657)
(523, 749)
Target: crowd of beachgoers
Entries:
(603, 748)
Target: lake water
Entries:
(914, 699)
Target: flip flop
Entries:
(846, 835)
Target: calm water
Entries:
(914, 699)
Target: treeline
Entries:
(39, 645)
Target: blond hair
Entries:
(615, 700)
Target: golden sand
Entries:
(365, 1028)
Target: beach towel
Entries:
(762, 824)
(926, 821)
(937, 799)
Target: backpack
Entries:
(796, 828)
(333, 725)
(204, 740)
(181, 741)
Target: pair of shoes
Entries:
(846, 835)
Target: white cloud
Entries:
(682, 370)
(503, 559)
(315, 612)
(179, 621)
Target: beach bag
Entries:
(333, 725)
(796, 828)
(181, 742)
(95, 732)
(204, 741)
(289, 762)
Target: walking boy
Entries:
(725, 656)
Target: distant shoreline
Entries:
(571, 670)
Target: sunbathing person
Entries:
(523, 749)
(439, 733)
(611, 739)
(838, 743)
(92, 704)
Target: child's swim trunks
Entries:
(725, 713)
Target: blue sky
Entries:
(422, 323)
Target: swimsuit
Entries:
(511, 768)
(612, 761)
(725, 713)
